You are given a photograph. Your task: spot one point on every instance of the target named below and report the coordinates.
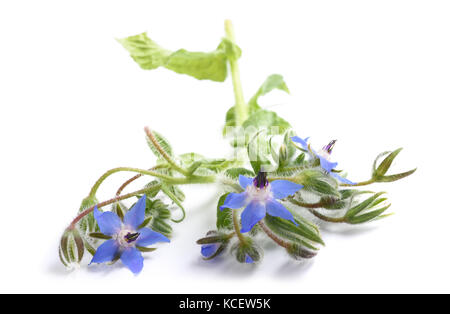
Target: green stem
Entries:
(326, 218)
(168, 179)
(126, 183)
(237, 228)
(240, 107)
(273, 236)
(305, 205)
(360, 183)
(108, 202)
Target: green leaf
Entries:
(157, 214)
(148, 54)
(190, 158)
(259, 152)
(224, 217)
(230, 121)
(145, 249)
(298, 234)
(231, 50)
(162, 142)
(386, 163)
(268, 120)
(396, 177)
(367, 204)
(235, 172)
(378, 174)
(368, 216)
(201, 65)
(168, 191)
(99, 235)
(154, 192)
(274, 81)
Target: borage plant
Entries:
(272, 183)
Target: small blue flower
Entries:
(324, 157)
(125, 236)
(248, 259)
(260, 198)
(209, 250)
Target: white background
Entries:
(373, 74)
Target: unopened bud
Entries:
(71, 248)
(283, 154)
(88, 223)
(298, 252)
(247, 252)
(213, 244)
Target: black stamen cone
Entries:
(330, 146)
(261, 180)
(131, 237)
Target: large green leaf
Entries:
(201, 65)
(274, 81)
(268, 120)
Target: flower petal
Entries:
(133, 259)
(136, 216)
(327, 165)
(106, 252)
(108, 222)
(302, 142)
(248, 259)
(148, 237)
(284, 188)
(209, 249)
(278, 210)
(245, 181)
(343, 180)
(235, 201)
(254, 212)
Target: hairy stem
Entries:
(237, 227)
(359, 183)
(108, 202)
(168, 179)
(305, 205)
(240, 107)
(327, 218)
(273, 236)
(126, 183)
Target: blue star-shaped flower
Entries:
(125, 236)
(260, 198)
(324, 157)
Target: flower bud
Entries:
(282, 154)
(247, 252)
(71, 248)
(379, 173)
(298, 252)
(213, 244)
(88, 223)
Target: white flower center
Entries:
(256, 194)
(121, 237)
(323, 153)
